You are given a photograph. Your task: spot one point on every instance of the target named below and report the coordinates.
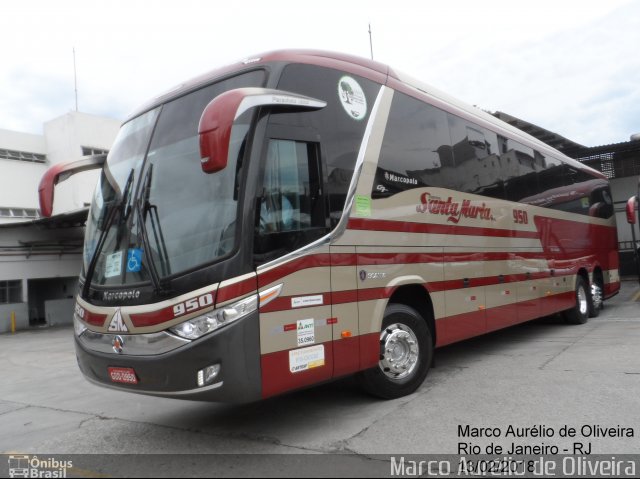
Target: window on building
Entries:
(90, 151)
(19, 213)
(22, 156)
(11, 291)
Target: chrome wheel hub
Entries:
(583, 304)
(400, 351)
(596, 296)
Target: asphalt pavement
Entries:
(527, 386)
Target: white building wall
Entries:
(44, 270)
(19, 179)
(61, 142)
(65, 136)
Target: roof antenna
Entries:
(75, 77)
(370, 41)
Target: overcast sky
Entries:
(572, 67)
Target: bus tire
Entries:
(406, 352)
(579, 314)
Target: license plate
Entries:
(123, 375)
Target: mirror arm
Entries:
(61, 172)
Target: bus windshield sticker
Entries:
(352, 98)
(306, 358)
(306, 332)
(134, 260)
(113, 265)
(363, 205)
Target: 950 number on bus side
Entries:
(520, 217)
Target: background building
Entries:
(40, 258)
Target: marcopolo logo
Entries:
(27, 466)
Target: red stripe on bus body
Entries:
(164, 315)
(151, 319)
(344, 259)
(236, 290)
(431, 228)
(310, 261)
(451, 329)
(372, 294)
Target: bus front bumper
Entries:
(174, 374)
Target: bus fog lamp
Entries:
(207, 375)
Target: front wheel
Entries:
(579, 314)
(406, 351)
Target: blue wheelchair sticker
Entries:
(134, 260)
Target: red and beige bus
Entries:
(302, 216)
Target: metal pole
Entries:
(75, 77)
(13, 322)
(370, 41)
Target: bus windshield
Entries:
(152, 195)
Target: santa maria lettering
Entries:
(453, 210)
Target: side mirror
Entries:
(218, 117)
(61, 172)
(631, 210)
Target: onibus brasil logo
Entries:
(27, 466)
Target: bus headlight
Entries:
(213, 320)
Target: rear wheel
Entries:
(596, 302)
(406, 351)
(579, 314)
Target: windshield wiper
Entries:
(142, 206)
(126, 192)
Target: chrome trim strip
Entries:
(267, 97)
(134, 344)
(324, 241)
(187, 392)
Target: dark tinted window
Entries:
(416, 149)
(520, 170)
(424, 146)
(567, 188)
(339, 133)
(477, 159)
